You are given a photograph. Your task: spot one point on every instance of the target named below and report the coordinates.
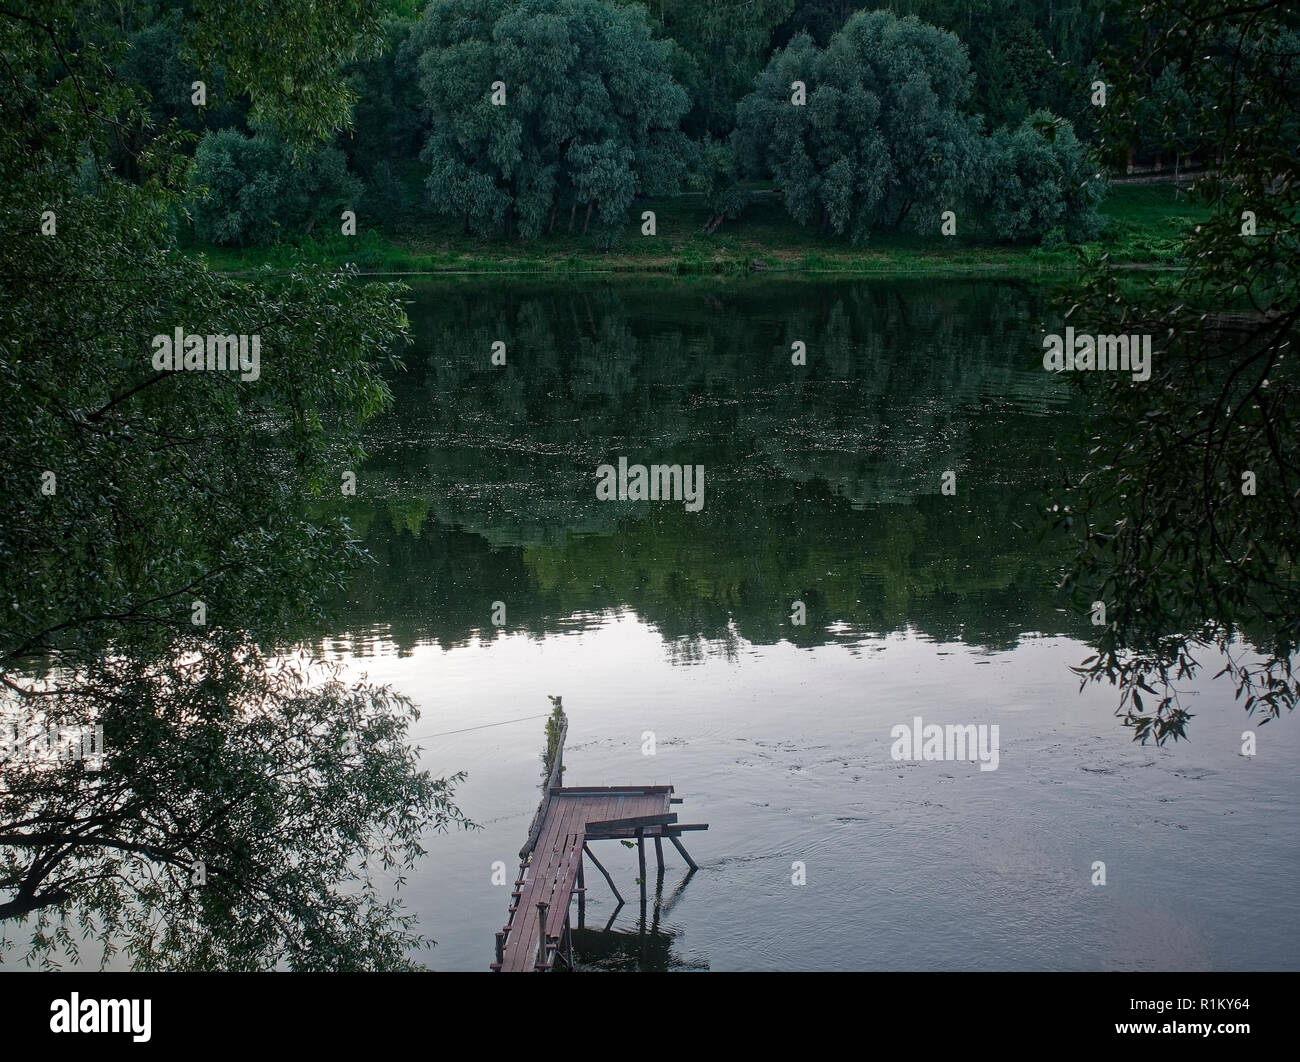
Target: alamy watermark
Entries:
(77, 1015)
(1073, 353)
(933, 742)
(683, 483)
(213, 353)
(45, 743)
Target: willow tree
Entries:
(1188, 524)
(868, 132)
(723, 44)
(543, 108)
(251, 189)
(156, 553)
(1037, 177)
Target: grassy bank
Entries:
(1145, 224)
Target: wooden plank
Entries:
(564, 883)
(551, 856)
(552, 840)
(610, 802)
(595, 829)
(559, 889)
(524, 932)
(555, 867)
(650, 831)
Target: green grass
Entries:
(1145, 224)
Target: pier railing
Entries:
(552, 781)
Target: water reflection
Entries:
(823, 481)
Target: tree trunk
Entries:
(551, 225)
(587, 220)
(572, 211)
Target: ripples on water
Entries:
(823, 487)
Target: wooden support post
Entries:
(640, 855)
(542, 908)
(612, 887)
(501, 947)
(685, 855)
(582, 895)
(659, 877)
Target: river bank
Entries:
(1145, 227)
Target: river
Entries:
(500, 578)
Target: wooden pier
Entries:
(538, 935)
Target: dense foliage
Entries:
(1038, 178)
(1189, 529)
(721, 46)
(883, 139)
(251, 189)
(156, 553)
(881, 136)
(609, 101)
(585, 115)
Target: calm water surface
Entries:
(822, 486)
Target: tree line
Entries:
(520, 118)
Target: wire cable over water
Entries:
(484, 726)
